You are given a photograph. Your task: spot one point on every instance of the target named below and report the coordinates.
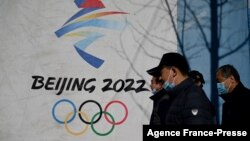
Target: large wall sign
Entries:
(76, 69)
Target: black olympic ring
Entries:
(99, 106)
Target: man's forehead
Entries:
(219, 76)
(165, 68)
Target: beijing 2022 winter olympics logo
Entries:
(85, 117)
(85, 18)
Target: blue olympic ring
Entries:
(54, 107)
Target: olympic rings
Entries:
(54, 107)
(102, 134)
(80, 108)
(126, 112)
(71, 132)
(94, 119)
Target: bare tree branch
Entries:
(183, 24)
(175, 29)
(220, 23)
(200, 28)
(222, 3)
(241, 45)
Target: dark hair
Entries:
(228, 70)
(197, 76)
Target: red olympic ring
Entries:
(126, 112)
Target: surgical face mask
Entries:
(154, 91)
(222, 88)
(167, 85)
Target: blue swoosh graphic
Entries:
(83, 44)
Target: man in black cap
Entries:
(160, 99)
(189, 104)
(197, 77)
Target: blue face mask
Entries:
(222, 88)
(167, 85)
(154, 91)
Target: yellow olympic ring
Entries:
(69, 130)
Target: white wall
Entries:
(29, 47)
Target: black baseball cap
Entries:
(171, 59)
(154, 72)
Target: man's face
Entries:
(154, 84)
(165, 72)
(220, 79)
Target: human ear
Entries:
(231, 78)
(174, 71)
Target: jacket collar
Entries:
(158, 95)
(180, 87)
(234, 93)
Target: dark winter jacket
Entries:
(189, 105)
(236, 109)
(160, 107)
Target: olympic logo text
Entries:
(85, 118)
